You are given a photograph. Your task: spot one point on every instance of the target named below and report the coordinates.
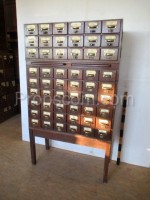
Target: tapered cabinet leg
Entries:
(47, 144)
(32, 147)
(106, 163)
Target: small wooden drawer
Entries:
(91, 75)
(31, 29)
(106, 88)
(60, 95)
(92, 40)
(75, 74)
(107, 75)
(75, 129)
(89, 110)
(104, 124)
(60, 41)
(110, 40)
(46, 124)
(46, 83)
(47, 105)
(90, 98)
(111, 26)
(76, 27)
(46, 72)
(45, 29)
(75, 41)
(73, 119)
(33, 82)
(45, 53)
(32, 53)
(60, 73)
(87, 131)
(105, 99)
(46, 93)
(74, 109)
(103, 134)
(45, 41)
(109, 54)
(31, 41)
(60, 28)
(34, 123)
(75, 53)
(60, 117)
(74, 85)
(34, 103)
(74, 96)
(33, 91)
(88, 121)
(34, 113)
(59, 53)
(60, 84)
(91, 53)
(60, 108)
(47, 115)
(93, 27)
(33, 72)
(61, 127)
(90, 86)
(105, 112)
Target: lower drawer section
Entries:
(71, 128)
(47, 124)
(103, 134)
(87, 131)
(58, 126)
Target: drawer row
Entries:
(73, 53)
(96, 40)
(74, 74)
(105, 26)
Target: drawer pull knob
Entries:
(46, 125)
(59, 108)
(46, 116)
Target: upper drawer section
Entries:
(31, 41)
(60, 28)
(31, 29)
(111, 26)
(76, 27)
(45, 29)
(93, 27)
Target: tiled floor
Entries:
(62, 174)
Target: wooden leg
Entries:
(32, 147)
(106, 163)
(47, 144)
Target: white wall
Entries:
(134, 69)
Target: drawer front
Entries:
(47, 105)
(91, 53)
(74, 53)
(46, 83)
(31, 41)
(31, 29)
(90, 86)
(92, 41)
(60, 53)
(93, 27)
(34, 113)
(74, 85)
(76, 27)
(89, 110)
(34, 103)
(109, 54)
(103, 134)
(90, 98)
(32, 53)
(47, 115)
(61, 127)
(45, 53)
(60, 73)
(91, 75)
(105, 99)
(75, 41)
(74, 109)
(87, 131)
(103, 124)
(88, 121)
(60, 84)
(45, 41)
(47, 93)
(33, 72)
(60, 95)
(60, 28)
(110, 40)
(74, 96)
(33, 82)
(45, 29)
(104, 112)
(106, 88)
(60, 108)
(46, 72)
(35, 123)
(33, 91)
(73, 119)
(59, 117)
(75, 129)
(75, 74)
(47, 124)
(111, 26)
(60, 41)
(107, 75)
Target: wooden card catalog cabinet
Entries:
(72, 72)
